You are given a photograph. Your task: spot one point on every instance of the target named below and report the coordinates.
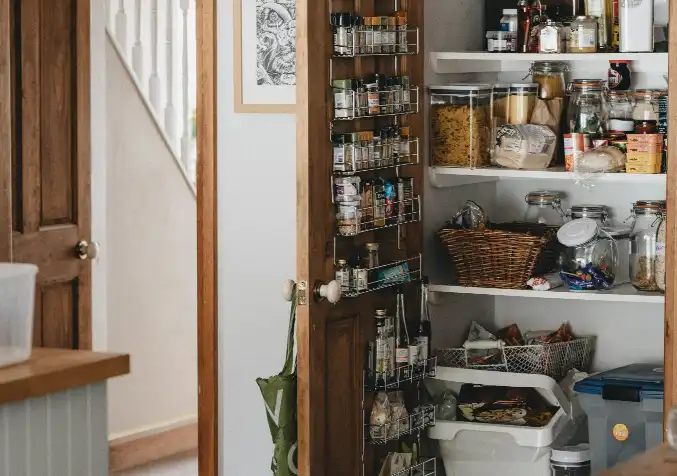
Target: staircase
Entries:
(156, 40)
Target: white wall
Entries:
(151, 278)
(257, 242)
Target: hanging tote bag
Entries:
(279, 397)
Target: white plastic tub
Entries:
(17, 301)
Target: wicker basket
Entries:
(497, 257)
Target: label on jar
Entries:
(404, 147)
(621, 125)
(413, 354)
(620, 432)
(339, 158)
(373, 103)
(550, 40)
(583, 37)
(343, 278)
(383, 354)
(422, 342)
(402, 356)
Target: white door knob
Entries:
(331, 292)
(288, 289)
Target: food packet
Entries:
(395, 463)
(548, 112)
(563, 334)
(545, 282)
(600, 160)
(380, 417)
(525, 146)
(511, 335)
(482, 356)
(399, 417)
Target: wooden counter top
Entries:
(661, 461)
(56, 370)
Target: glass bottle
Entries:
(645, 111)
(401, 338)
(424, 335)
(383, 349)
(544, 207)
(647, 218)
(371, 262)
(343, 275)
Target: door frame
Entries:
(207, 282)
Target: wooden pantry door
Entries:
(45, 168)
(332, 339)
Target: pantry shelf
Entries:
(454, 176)
(622, 293)
(485, 62)
(389, 275)
(426, 468)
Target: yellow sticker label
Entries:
(621, 432)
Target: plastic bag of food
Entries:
(511, 335)
(600, 160)
(546, 282)
(395, 463)
(525, 146)
(379, 421)
(399, 417)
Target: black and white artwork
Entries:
(276, 42)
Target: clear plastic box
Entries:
(17, 301)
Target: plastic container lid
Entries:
(630, 383)
(525, 86)
(571, 454)
(509, 11)
(462, 87)
(577, 232)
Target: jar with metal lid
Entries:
(599, 213)
(648, 215)
(371, 262)
(583, 36)
(645, 112)
(586, 107)
(342, 275)
(590, 260)
(544, 207)
(521, 102)
(571, 461)
(550, 37)
(460, 125)
(619, 112)
(550, 77)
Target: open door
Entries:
(332, 339)
(46, 165)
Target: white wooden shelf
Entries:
(623, 293)
(485, 62)
(455, 176)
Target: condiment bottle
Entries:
(402, 37)
(406, 94)
(401, 337)
(405, 147)
(368, 44)
(524, 21)
(373, 97)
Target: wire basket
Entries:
(553, 360)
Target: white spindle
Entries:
(121, 26)
(154, 83)
(170, 112)
(185, 137)
(137, 49)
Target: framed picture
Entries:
(265, 56)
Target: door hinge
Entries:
(302, 293)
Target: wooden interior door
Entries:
(49, 169)
(332, 339)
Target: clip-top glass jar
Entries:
(619, 116)
(586, 107)
(599, 213)
(544, 207)
(550, 77)
(648, 215)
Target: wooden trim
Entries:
(6, 104)
(207, 242)
(131, 452)
(670, 345)
(240, 107)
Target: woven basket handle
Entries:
(483, 344)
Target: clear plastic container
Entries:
(619, 116)
(544, 207)
(648, 215)
(550, 75)
(460, 125)
(17, 301)
(521, 103)
(501, 93)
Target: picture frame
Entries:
(264, 59)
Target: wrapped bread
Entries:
(525, 146)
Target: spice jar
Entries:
(371, 262)
(551, 39)
(647, 215)
(405, 145)
(571, 461)
(586, 107)
(619, 117)
(348, 221)
(544, 207)
(342, 275)
(521, 103)
(598, 213)
(344, 98)
(550, 77)
(583, 37)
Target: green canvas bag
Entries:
(279, 396)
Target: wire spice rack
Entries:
(415, 423)
(385, 280)
(402, 375)
(361, 44)
(406, 211)
(425, 468)
(391, 104)
(352, 150)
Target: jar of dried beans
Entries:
(460, 125)
(648, 215)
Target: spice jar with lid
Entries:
(598, 213)
(551, 39)
(619, 115)
(550, 76)
(571, 461)
(342, 275)
(544, 207)
(371, 262)
(647, 215)
(521, 103)
(583, 37)
(348, 221)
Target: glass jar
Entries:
(521, 102)
(619, 116)
(661, 247)
(586, 107)
(571, 461)
(591, 257)
(550, 37)
(371, 258)
(645, 112)
(583, 36)
(647, 216)
(550, 77)
(348, 221)
(599, 213)
(544, 207)
(460, 125)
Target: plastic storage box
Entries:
(625, 412)
(17, 300)
(478, 449)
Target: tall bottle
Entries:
(402, 337)
(390, 325)
(523, 25)
(383, 349)
(424, 335)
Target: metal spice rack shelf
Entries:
(402, 375)
(427, 467)
(359, 104)
(415, 423)
(403, 160)
(388, 282)
(361, 46)
(402, 218)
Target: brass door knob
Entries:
(87, 250)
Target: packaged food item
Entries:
(347, 189)
(390, 199)
(395, 464)
(511, 335)
(548, 113)
(446, 409)
(368, 203)
(583, 38)
(601, 160)
(525, 146)
(562, 334)
(545, 283)
(394, 275)
(379, 420)
(399, 417)
(645, 153)
(348, 222)
(575, 145)
(471, 216)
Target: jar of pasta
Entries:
(522, 102)
(550, 77)
(460, 125)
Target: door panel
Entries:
(51, 163)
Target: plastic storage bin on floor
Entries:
(625, 412)
(17, 300)
(483, 449)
